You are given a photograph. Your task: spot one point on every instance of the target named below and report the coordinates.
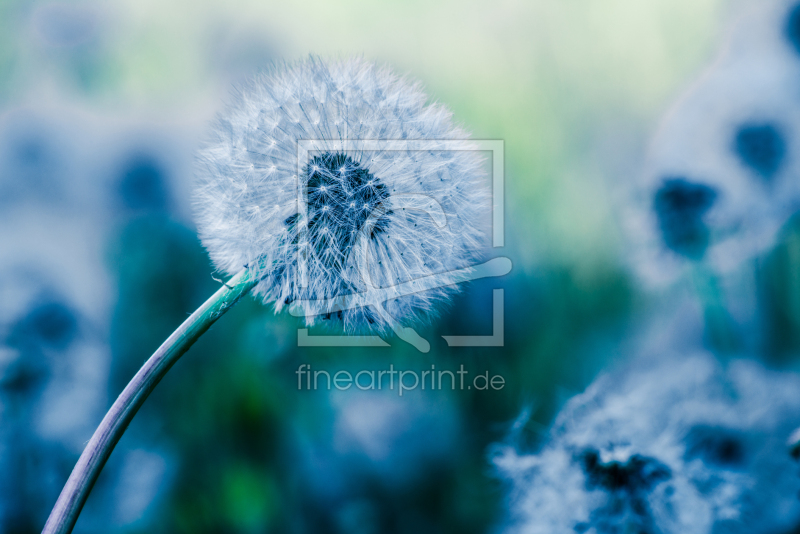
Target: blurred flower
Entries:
(721, 173)
(72, 161)
(142, 185)
(251, 212)
(55, 298)
(683, 445)
(54, 359)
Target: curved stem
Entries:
(69, 504)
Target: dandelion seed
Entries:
(734, 132)
(367, 103)
(680, 446)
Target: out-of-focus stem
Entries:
(720, 327)
(69, 504)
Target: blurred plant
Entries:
(681, 445)
(251, 212)
(249, 187)
(54, 348)
(779, 291)
(719, 179)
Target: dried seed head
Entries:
(682, 445)
(334, 179)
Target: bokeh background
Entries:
(102, 105)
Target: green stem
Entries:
(66, 510)
(720, 328)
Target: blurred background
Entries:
(101, 107)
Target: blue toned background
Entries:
(101, 108)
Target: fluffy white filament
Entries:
(734, 133)
(683, 446)
(339, 221)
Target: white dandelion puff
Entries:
(347, 218)
(680, 446)
(720, 176)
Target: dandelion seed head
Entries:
(337, 230)
(683, 445)
(735, 132)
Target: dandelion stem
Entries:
(720, 328)
(68, 507)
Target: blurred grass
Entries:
(779, 281)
